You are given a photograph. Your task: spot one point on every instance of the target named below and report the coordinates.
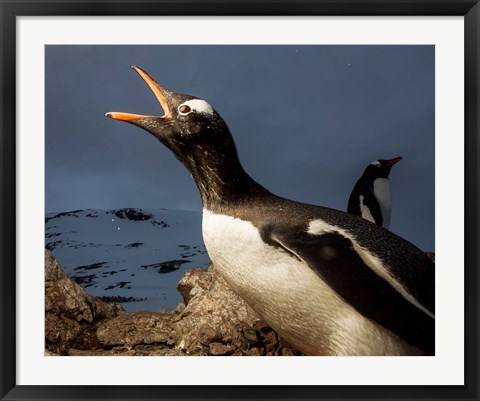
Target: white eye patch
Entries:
(375, 163)
(197, 105)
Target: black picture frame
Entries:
(10, 9)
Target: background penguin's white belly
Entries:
(381, 189)
(289, 295)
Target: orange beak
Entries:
(391, 162)
(157, 90)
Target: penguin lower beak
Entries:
(158, 90)
(391, 162)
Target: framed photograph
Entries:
(313, 94)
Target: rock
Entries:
(207, 335)
(271, 343)
(132, 329)
(250, 334)
(212, 312)
(70, 312)
(221, 349)
(212, 320)
(254, 352)
(192, 280)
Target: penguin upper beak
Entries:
(160, 92)
(391, 162)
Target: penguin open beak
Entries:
(391, 162)
(160, 92)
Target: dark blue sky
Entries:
(306, 120)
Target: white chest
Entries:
(289, 295)
(381, 189)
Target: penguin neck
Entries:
(219, 175)
(369, 176)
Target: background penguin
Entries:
(329, 282)
(371, 197)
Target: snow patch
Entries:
(123, 260)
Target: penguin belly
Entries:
(290, 296)
(383, 194)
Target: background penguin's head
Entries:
(380, 168)
(187, 120)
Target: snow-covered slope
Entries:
(135, 255)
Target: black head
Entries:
(198, 137)
(187, 120)
(380, 168)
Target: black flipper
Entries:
(332, 256)
(371, 202)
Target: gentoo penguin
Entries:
(371, 197)
(329, 282)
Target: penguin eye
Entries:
(184, 109)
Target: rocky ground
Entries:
(211, 320)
